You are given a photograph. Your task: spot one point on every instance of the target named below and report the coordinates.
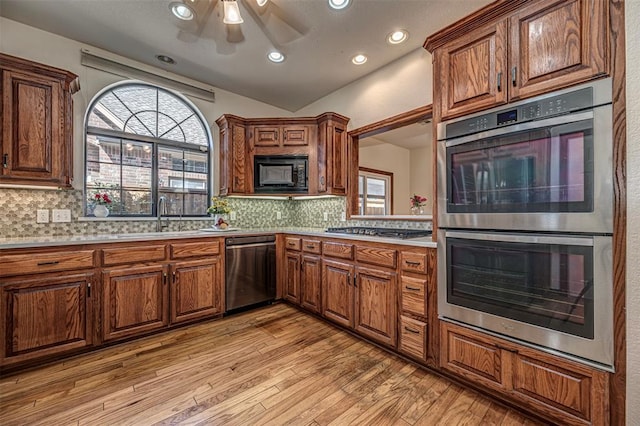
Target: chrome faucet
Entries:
(161, 210)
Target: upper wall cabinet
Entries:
(322, 139)
(513, 50)
(36, 126)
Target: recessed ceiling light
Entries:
(181, 11)
(338, 4)
(261, 2)
(398, 36)
(359, 59)
(166, 59)
(275, 56)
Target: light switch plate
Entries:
(60, 215)
(325, 216)
(278, 215)
(343, 216)
(42, 216)
(232, 215)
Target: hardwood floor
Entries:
(274, 365)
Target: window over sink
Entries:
(143, 142)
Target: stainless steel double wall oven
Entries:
(525, 211)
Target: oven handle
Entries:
(554, 121)
(523, 238)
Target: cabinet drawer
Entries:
(413, 262)
(413, 337)
(311, 246)
(341, 250)
(199, 249)
(414, 295)
(19, 264)
(376, 256)
(121, 255)
(291, 243)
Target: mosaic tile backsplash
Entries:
(18, 215)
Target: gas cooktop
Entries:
(382, 232)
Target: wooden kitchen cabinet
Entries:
(375, 315)
(561, 390)
(280, 136)
(292, 277)
(37, 123)
(45, 315)
(332, 154)
(197, 289)
(135, 300)
(524, 49)
(234, 178)
(310, 283)
(338, 292)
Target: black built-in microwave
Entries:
(281, 173)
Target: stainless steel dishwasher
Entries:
(250, 271)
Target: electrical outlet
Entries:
(278, 215)
(232, 215)
(61, 215)
(325, 216)
(42, 216)
(343, 216)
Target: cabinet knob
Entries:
(514, 71)
(5, 161)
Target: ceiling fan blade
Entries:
(191, 30)
(274, 22)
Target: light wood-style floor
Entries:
(274, 365)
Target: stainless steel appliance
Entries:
(250, 268)
(381, 232)
(542, 165)
(525, 211)
(280, 173)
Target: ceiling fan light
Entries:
(181, 11)
(398, 36)
(359, 59)
(275, 56)
(231, 12)
(261, 2)
(338, 4)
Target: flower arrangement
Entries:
(218, 206)
(418, 201)
(101, 199)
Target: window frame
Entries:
(367, 172)
(157, 144)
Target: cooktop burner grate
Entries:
(382, 232)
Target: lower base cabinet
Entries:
(45, 315)
(196, 290)
(565, 391)
(412, 339)
(376, 305)
(338, 292)
(310, 277)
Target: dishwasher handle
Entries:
(253, 239)
(242, 246)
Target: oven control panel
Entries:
(543, 108)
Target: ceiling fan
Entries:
(221, 20)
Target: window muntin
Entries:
(143, 142)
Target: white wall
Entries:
(401, 86)
(393, 159)
(421, 175)
(632, 17)
(40, 46)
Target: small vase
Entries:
(100, 211)
(417, 210)
(216, 217)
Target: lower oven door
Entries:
(552, 291)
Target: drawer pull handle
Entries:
(5, 161)
(311, 246)
(499, 78)
(53, 262)
(410, 263)
(411, 331)
(412, 288)
(514, 72)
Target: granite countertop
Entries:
(47, 241)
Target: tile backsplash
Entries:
(18, 215)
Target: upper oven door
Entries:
(547, 175)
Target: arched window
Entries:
(144, 142)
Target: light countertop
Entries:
(47, 241)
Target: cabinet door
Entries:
(296, 135)
(134, 301)
(34, 142)
(337, 292)
(239, 183)
(557, 43)
(376, 305)
(292, 277)
(338, 165)
(310, 278)
(45, 315)
(470, 73)
(266, 135)
(197, 289)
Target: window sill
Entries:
(138, 219)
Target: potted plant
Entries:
(417, 204)
(218, 209)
